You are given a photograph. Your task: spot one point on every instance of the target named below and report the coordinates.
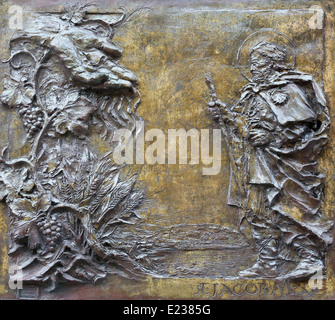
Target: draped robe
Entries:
(281, 173)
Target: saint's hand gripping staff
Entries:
(218, 109)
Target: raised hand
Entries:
(259, 136)
(217, 109)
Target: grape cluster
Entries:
(51, 229)
(32, 119)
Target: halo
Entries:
(267, 35)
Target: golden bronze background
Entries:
(170, 48)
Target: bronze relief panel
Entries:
(167, 151)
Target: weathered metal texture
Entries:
(71, 215)
(276, 132)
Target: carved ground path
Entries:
(202, 250)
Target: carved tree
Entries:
(65, 201)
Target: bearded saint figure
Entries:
(276, 131)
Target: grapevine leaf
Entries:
(17, 93)
(20, 229)
(26, 211)
(30, 208)
(75, 117)
(13, 181)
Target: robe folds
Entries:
(281, 169)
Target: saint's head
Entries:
(267, 60)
